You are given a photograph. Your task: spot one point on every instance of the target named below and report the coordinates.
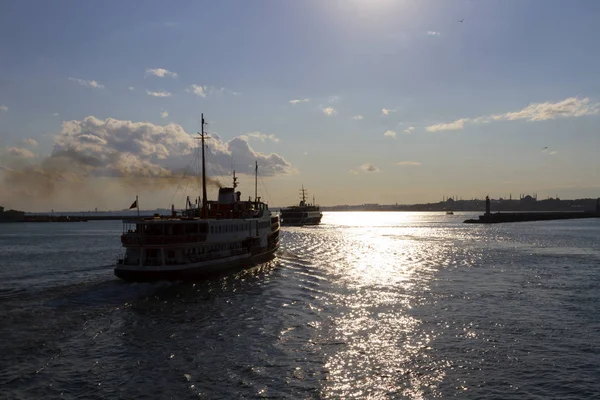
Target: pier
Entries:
(498, 218)
(78, 218)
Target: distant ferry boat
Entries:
(302, 214)
(207, 240)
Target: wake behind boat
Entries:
(302, 214)
(216, 237)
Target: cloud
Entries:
(358, 117)
(131, 88)
(90, 84)
(386, 111)
(334, 99)
(29, 142)
(160, 72)
(451, 126)
(299, 101)
(391, 134)
(3, 108)
(222, 90)
(409, 164)
(409, 130)
(138, 155)
(367, 167)
(19, 152)
(329, 111)
(164, 114)
(433, 33)
(197, 90)
(549, 152)
(158, 94)
(55, 114)
(570, 107)
(260, 137)
(204, 91)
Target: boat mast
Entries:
(204, 200)
(255, 181)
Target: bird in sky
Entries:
(461, 20)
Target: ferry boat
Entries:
(202, 241)
(302, 214)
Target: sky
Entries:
(360, 101)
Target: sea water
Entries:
(365, 305)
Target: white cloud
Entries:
(368, 167)
(224, 90)
(118, 148)
(260, 137)
(570, 107)
(158, 94)
(92, 154)
(329, 111)
(87, 83)
(204, 91)
(19, 152)
(358, 117)
(131, 88)
(549, 152)
(386, 111)
(197, 90)
(164, 114)
(3, 108)
(29, 142)
(409, 164)
(409, 130)
(391, 134)
(160, 72)
(299, 101)
(55, 114)
(433, 33)
(451, 126)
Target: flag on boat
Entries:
(133, 205)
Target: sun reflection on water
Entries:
(381, 273)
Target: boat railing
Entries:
(133, 239)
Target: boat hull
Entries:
(192, 273)
(302, 223)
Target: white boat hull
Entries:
(192, 271)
